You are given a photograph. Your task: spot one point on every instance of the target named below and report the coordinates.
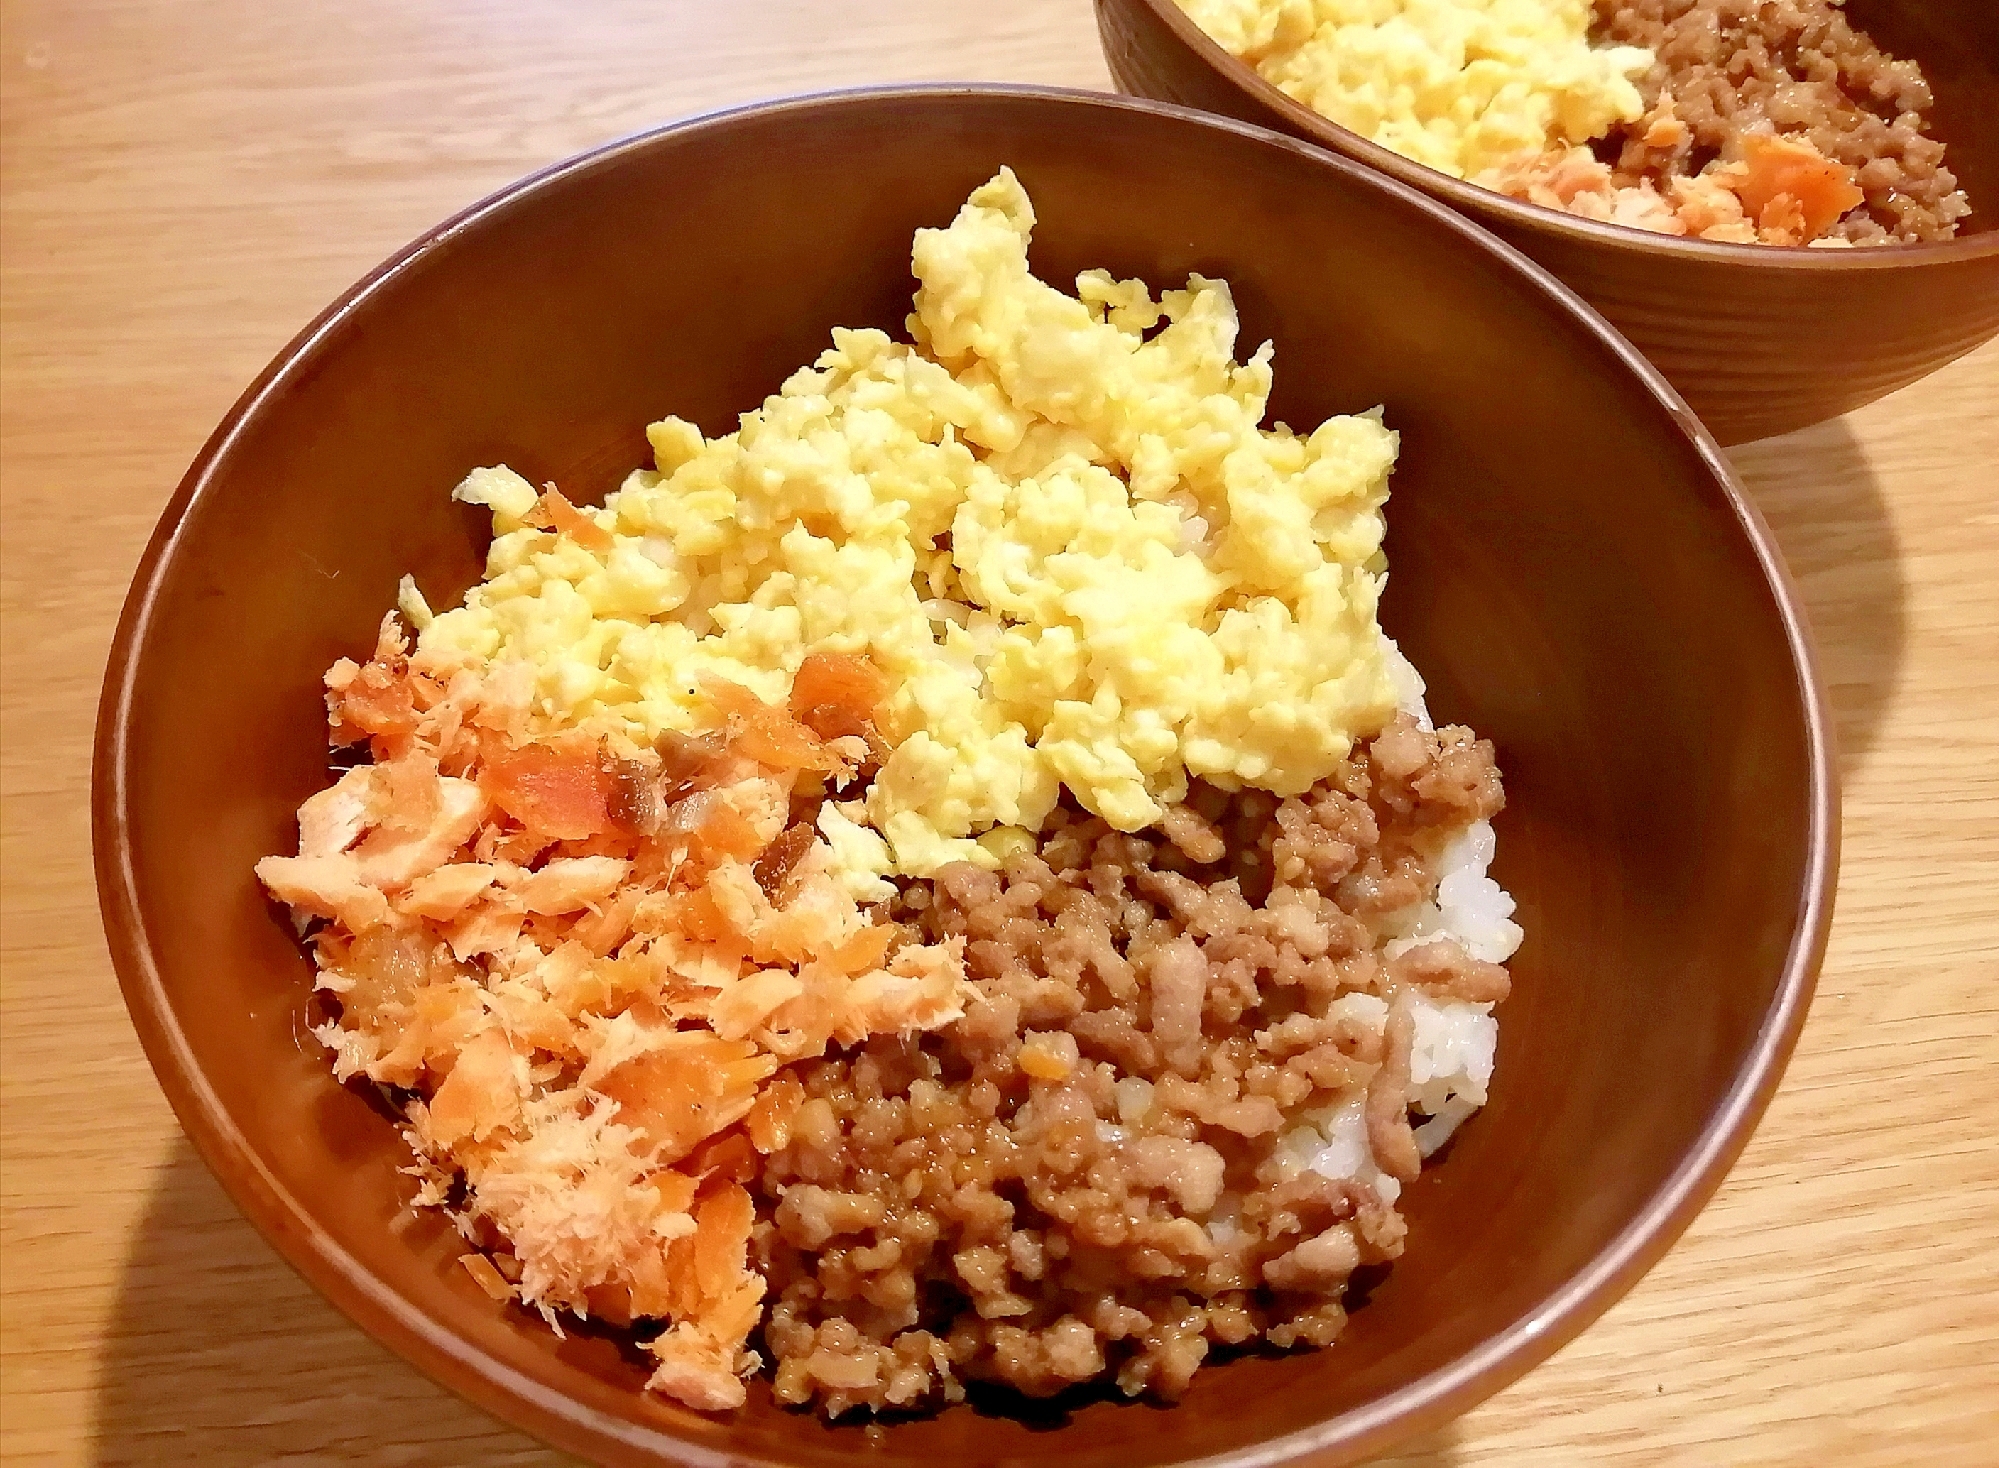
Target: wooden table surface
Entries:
(187, 182)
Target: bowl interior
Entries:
(1571, 573)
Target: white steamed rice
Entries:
(1450, 1064)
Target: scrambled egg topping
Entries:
(1458, 85)
(1053, 520)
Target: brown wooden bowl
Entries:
(1759, 340)
(1576, 572)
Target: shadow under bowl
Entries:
(1637, 657)
(1758, 340)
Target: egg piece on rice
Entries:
(1052, 519)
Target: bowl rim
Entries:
(1507, 210)
(568, 1422)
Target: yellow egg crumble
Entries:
(1459, 85)
(1052, 519)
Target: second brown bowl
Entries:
(1758, 340)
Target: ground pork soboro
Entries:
(1734, 66)
(1084, 1176)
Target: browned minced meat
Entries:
(1733, 66)
(1021, 1197)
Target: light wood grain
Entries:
(185, 184)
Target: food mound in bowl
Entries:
(947, 882)
(1748, 121)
